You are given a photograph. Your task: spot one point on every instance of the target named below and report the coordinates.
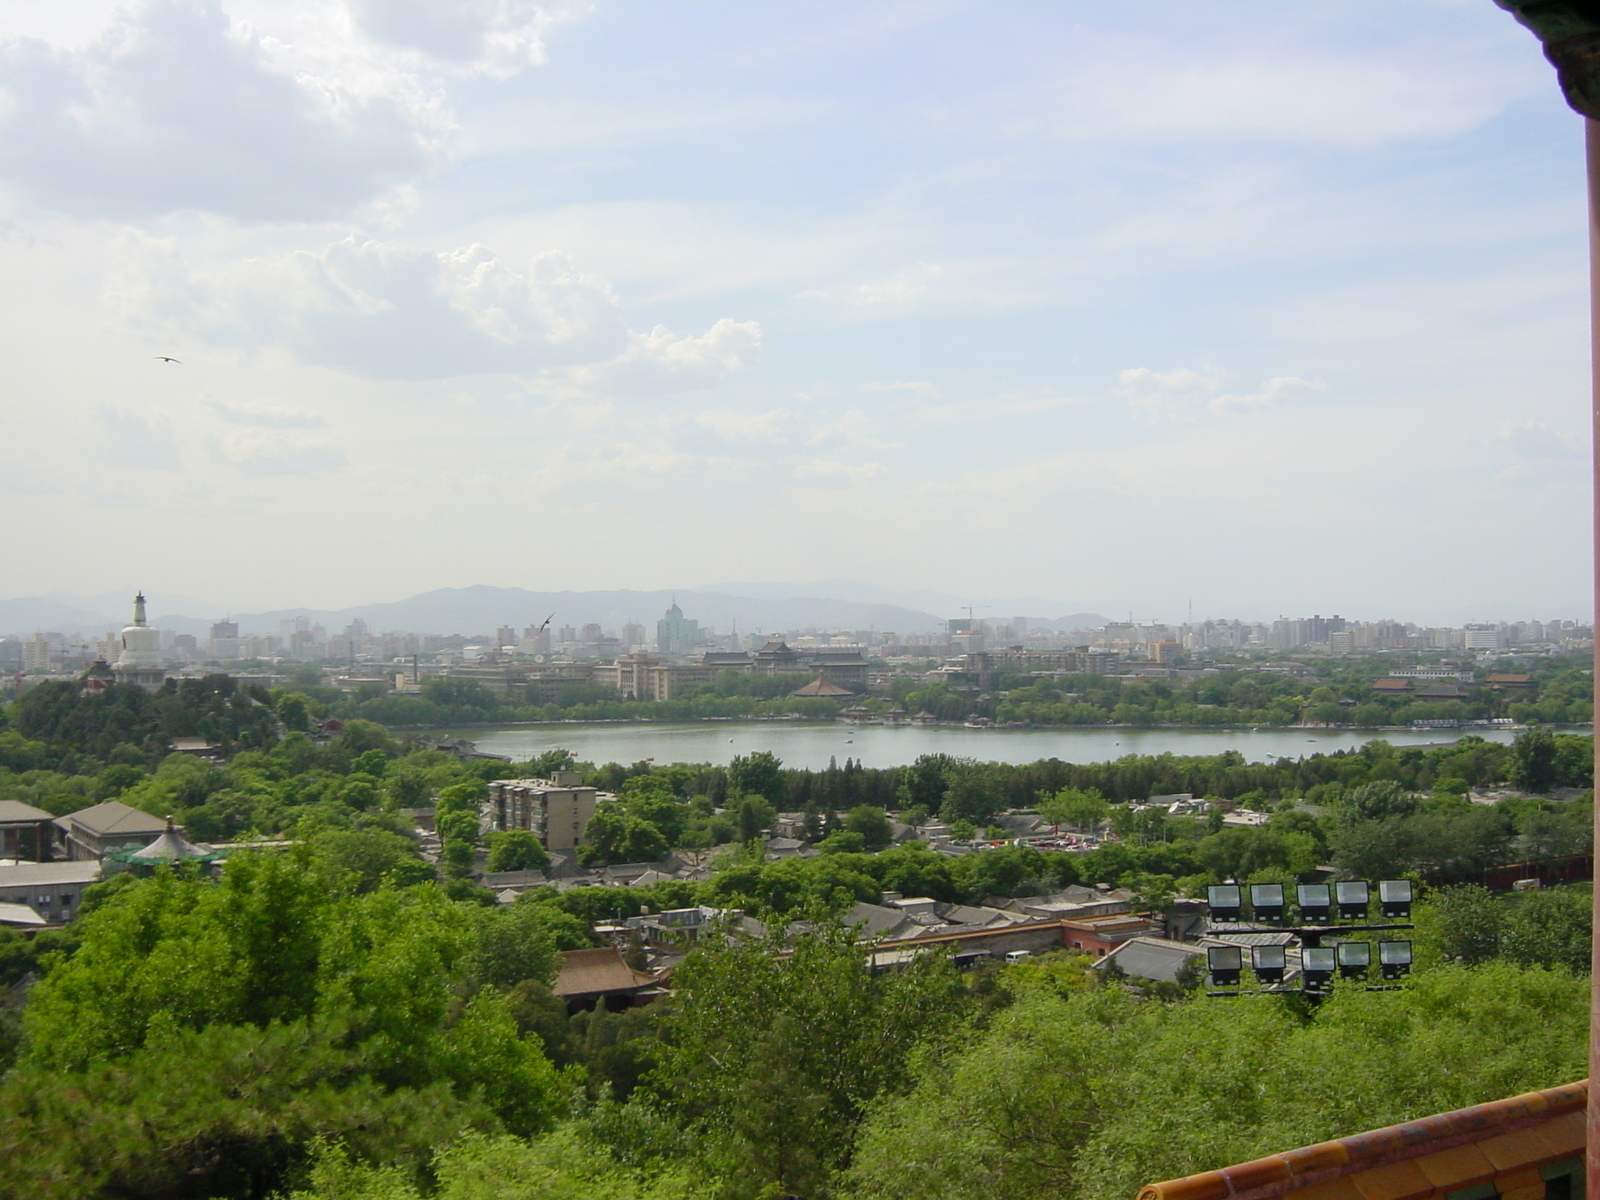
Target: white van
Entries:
(1017, 956)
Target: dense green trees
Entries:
(1097, 1093)
(263, 1011)
(774, 1054)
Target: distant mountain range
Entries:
(755, 608)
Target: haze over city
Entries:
(1269, 309)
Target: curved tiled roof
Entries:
(1471, 1144)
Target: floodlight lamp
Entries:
(1355, 959)
(1225, 900)
(1316, 968)
(1267, 901)
(1395, 897)
(1269, 963)
(1225, 963)
(1354, 897)
(1394, 959)
(1315, 902)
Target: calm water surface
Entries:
(812, 744)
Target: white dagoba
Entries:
(141, 661)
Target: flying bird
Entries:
(167, 358)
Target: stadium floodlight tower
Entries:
(1269, 963)
(1225, 901)
(1316, 903)
(1395, 897)
(1354, 899)
(1266, 901)
(1316, 969)
(1355, 959)
(1225, 964)
(1394, 959)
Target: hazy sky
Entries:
(1276, 306)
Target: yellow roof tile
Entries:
(1393, 1181)
(1456, 1167)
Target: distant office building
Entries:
(567, 634)
(1483, 637)
(592, 633)
(185, 645)
(639, 677)
(10, 654)
(676, 634)
(225, 640)
(36, 653)
(967, 637)
(632, 635)
(506, 635)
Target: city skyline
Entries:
(1257, 308)
(467, 612)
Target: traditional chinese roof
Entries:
(822, 686)
(596, 972)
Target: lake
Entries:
(811, 743)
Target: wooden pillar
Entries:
(1592, 158)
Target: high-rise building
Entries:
(225, 640)
(506, 635)
(676, 634)
(36, 653)
(632, 635)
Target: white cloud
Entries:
(1536, 440)
(1294, 96)
(266, 416)
(724, 432)
(898, 290)
(660, 361)
(911, 387)
(1162, 397)
(489, 37)
(826, 472)
(174, 107)
(258, 451)
(138, 440)
(780, 432)
(389, 311)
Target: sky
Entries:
(1262, 309)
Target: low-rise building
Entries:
(558, 809)
(54, 890)
(94, 832)
(26, 832)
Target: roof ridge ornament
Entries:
(1570, 33)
